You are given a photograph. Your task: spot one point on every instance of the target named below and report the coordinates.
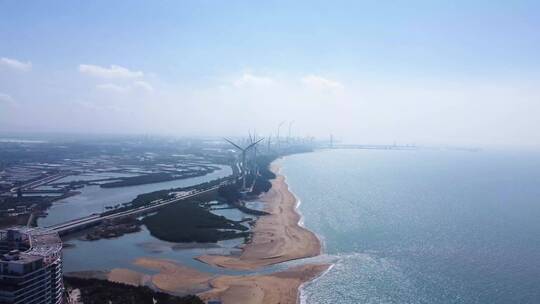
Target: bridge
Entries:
(96, 219)
(373, 147)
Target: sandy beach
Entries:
(171, 276)
(277, 237)
(279, 287)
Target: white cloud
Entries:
(94, 106)
(321, 83)
(112, 72)
(111, 87)
(5, 98)
(143, 85)
(16, 64)
(250, 80)
(137, 85)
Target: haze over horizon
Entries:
(456, 73)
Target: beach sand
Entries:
(171, 277)
(175, 278)
(279, 287)
(277, 237)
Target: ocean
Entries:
(422, 226)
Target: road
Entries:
(39, 182)
(96, 219)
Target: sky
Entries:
(423, 72)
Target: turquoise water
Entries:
(422, 226)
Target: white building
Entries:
(30, 266)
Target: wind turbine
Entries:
(244, 151)
(277, 138)
(269, 141)
(252, 140)
(290, 126)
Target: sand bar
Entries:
(279, 287)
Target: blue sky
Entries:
(182, 37)
(249, 55)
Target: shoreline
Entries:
(297, 210)
(278, 237)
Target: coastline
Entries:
(277, 238)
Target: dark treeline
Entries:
(261, 183)
(191, 221)
(154, 178)
(140, 180)
(146, 198)
(94, 291)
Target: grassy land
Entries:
(146, 198)
(231, 193)
(191, 221)
(152, 178)
(262, 183)
(94, 291)
(36, 203)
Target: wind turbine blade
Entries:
(241, 149)
(253, 144)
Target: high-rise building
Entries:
(30, 266)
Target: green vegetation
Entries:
(152, 178)
(94, 291)
(230, 193)
(232, 196)
(261, 183)
(191, 221)
(23, 207)
(114, 228)
(146, 198)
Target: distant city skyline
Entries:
(455, 73)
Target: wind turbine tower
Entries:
(277, 138)
(244, 165)
(290, 126)
(268, 142)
